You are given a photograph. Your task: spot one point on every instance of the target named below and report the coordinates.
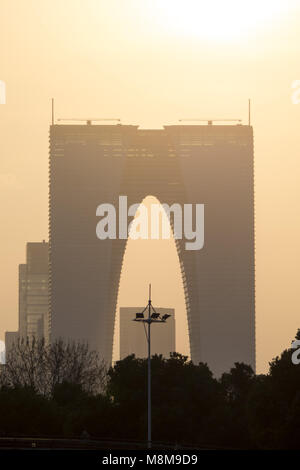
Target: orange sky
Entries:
(150, 65)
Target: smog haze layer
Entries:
(151, 63)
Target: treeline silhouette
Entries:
(65, 390)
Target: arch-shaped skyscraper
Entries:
(196, 164)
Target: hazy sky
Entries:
(151, 63)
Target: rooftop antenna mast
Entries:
(52, 111)
(249, 112)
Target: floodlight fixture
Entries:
(155, 315)
(165, 316)
(139, 316)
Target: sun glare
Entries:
(219, 20)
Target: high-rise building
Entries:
(33, 292)
(208, 164)
(132, 334)
(11, 338)
(33, 296)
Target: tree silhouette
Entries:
(64, 389)
(34, 364)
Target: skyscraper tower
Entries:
(208, 164)
(33, 292)
(33, 296)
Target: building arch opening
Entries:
(152, 261)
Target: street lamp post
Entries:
(153, 317)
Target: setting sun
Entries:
(218, 20)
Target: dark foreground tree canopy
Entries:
(65, 390)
